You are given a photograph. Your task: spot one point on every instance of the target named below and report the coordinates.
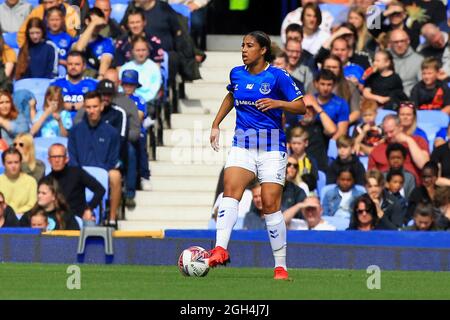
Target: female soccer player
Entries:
(260, 93)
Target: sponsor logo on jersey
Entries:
(250, 86)
(265, 88)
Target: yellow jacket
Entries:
(72, 21)
(20, 194)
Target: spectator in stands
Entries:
(71, 17)
(394, 184)
(306, 165)
(39, 220)
(37, 58)
(136, 26)
(335, 106)
(312, 213)
(52, 202)
(93, 142)
(292, 193)
(313, 36)
(7, 61)
(74, 85)
(338, 201)
(112, 28)
(98, 50)
(424, 192)
(18, 188)
(436, 41)
(344, 159)
(58, 36)
(388, 208)
(365, 41)
(407, 115)
(367, 134)
(73, 181)
(11, 121)
(441, 156)
(295, 17)
(424, 218)
(441, 137)
(417, 147)
(406, 61)
(384, 85)
(398, 20)
(149, 72)
(30, 165)
(13, 13)
(431, 93)
(254, 219)
(281, 60)
(53, 121)
(295, 67)
(8, 218)
(364, 215)
(320, 128)
(344, 88)
(130, 81)
(396, 154)
(162, 21)
(442, 202)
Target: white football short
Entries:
(268, 166)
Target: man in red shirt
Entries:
(418, 153)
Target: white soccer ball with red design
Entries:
(193, 262)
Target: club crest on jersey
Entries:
(85, 89)
(265, 88)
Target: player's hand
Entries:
(214, 138)
(266, 104)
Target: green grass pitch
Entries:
(46, 281)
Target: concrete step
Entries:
(223, 58)
(197, 154)
(161, 168)
(200, 106)
(202, 90)
(164, 213)
(175, 184)
(153, 199)
(201, 121)
(226, 42)
(220, 74)
(197, 138)
(143, 225)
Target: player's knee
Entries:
(270, 205)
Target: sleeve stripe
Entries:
(299, 97)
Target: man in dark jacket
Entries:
(93, 142)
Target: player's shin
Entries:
(226, 219)
(276, 227)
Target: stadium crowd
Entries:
(372, 151)
(367, 155)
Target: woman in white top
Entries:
(313, 36)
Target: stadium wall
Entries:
(322, 250)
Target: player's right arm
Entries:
(225, 108)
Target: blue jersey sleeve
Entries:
(231, 87)
(442, 133)
(344, 112)
(287, 87)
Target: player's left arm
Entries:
(296, 106)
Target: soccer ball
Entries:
(192, 262)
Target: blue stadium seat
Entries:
(365, 161)
(118, 11)
(183, 10)
(431, 121)
(36, 85)
(79, 221)
(321, 182)
(102, 176)
(11, 39)
(332, 150)
(381, 114)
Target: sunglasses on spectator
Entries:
(361, 211)
(20, 144)
(295, 165)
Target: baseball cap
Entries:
(131, 77)
(106, 87)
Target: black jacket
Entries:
(355, 165)
(11, 220)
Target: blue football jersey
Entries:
(75, 92)
(63, 41)
(254, 128)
